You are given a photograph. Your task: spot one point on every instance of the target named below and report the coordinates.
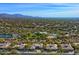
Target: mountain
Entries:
(14, 16)
(20, 16)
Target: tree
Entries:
(2, 40)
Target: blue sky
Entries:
(42, 10)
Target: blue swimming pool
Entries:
(6, 36)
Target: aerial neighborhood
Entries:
(39, 36)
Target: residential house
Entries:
(51, 36)
(4, 45)
(50, 48)
(67, 49)
(37, 46)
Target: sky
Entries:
(41, 9)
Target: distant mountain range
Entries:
(20, 16)
(14, 16)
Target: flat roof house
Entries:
(51, 36)
(43, 32)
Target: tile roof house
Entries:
(4, 45)
(52, 47)
(20, 45)
(67, 49)
(37, 46)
